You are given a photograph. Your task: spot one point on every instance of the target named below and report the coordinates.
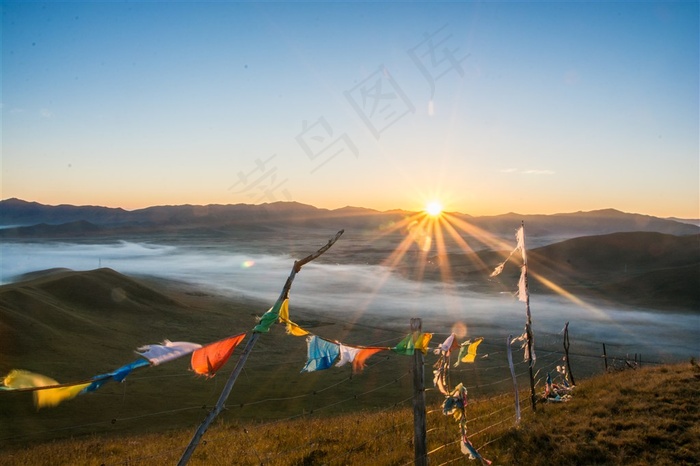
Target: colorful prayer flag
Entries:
(320, 354)
(51, 397)
(118, 375)
(292, 328)
(18, 378)
(269, 317)
(210, 358)
(467, 351)
(167, 351)
(43, 397)
(356, 356)
(412, 342)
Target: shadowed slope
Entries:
(640, 268)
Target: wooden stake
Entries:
(605, 358)
(528, 325)
(566, 353)
(419, 424)
(244, 356)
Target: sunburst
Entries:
(434, 208)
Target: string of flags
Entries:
(207, 359)
(455, 403)
(322, 353)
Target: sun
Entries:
(434, 209)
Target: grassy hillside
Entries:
(74, 325)
(645, 416)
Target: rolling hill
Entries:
(647, 269)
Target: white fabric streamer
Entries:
(167, 351)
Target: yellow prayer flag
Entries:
(18, 378)
(422, 342)
(53, 396)
(292, 328)
(471, 352)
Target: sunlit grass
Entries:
(646, 416)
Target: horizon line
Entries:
(608, 209)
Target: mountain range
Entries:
(30, 219)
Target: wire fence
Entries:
(381, 388)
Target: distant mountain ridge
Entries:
(39, 220)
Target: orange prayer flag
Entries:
(359, 362)
(209, 359)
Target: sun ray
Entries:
(445, 221)
(442, 256)
(424, 232)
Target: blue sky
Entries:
(489, 107)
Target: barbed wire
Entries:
(547, 359)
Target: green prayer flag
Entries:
(269, 318)
(405, 346)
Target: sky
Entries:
(487, 107)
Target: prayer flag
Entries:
(448, 345)
(360, 358)
(118, 375)
(210, 358)
(520, 244)
(405, 346)
(356, 356)
(292, 328)
(320, 354)
(468, 449)
(422, 342)
(412, 342)
(347, 355)
(509, 352)
(467, 351)
(167, 351)
(269, 317)
(51, 397)
(43, 397)
(18, 378)
(523, 292)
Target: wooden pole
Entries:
(566, 353)
(528, 324)
(605, 358)
(244, 356)
(419, 424)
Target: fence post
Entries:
(419, 425)
(605, 358)
(566, 352)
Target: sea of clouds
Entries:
(354, 292)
